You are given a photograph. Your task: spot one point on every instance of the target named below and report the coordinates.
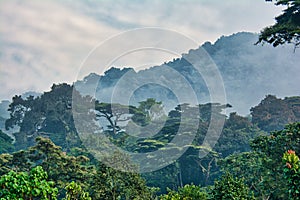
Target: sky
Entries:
(46, 42)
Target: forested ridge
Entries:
(255, 157)
(246, 160)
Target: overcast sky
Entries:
(45, 42)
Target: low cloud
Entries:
(43, 42)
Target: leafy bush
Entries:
(229, 188)
(188, 192)
(22, 185)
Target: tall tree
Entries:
(115, 114)
(49, 115)
(287, 26)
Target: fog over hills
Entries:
(252, 71)
(249, 72)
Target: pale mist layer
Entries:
(249, 73)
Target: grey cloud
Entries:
(45, 41)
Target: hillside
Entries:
(249, 73)
(164, 111)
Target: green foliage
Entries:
(99, 181)
(4, 160)
(6, 145)
(251, 166)
(23, 185)
(109, 184)
(286, 29)
(190, 168)
(230, 188)
(60, 167)
(188, 192)
(237, 133)
(292, 174)
(262, 168)
(74, 191)
(49, 115)
(168, 177)
(78, 177)
(279, 141)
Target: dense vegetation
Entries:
(246, 162)
(255, 157)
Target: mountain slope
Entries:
(249, 72)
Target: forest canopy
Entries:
(246, 161)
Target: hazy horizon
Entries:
(44, 42)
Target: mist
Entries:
(249, 72)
